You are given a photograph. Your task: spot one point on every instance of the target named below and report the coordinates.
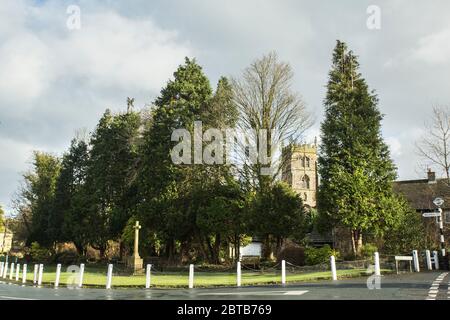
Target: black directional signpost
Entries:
(438, 202)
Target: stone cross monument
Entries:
(135, 260)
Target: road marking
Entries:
(257, 293)
(295, 293)
(14, 298)
(434, 289)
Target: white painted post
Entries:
(148, 276)
(58, 274)
(36, 267)
(80, 279)
(109, 276)
(191, 276)
(2, 264)
(24, 273)
(283, 272)
(5, 271)
(377, 264)
(11, 271)
(333, 268)
(436, 260)
(238, 272)
(416, 261)
(427, 254)
(17, 271)
(41, 271)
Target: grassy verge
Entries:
(97, 278)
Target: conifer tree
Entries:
(355, 167)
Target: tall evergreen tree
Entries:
(39, 194)
(355, 167)
(2, 222)
(67, 221)
(162, 189)
(110, 189)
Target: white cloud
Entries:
(394, 146)
(433, 48)
(54, 80)
(24, 68)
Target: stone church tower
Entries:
(299, 170)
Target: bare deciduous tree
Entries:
(265, 100)
(434, 146)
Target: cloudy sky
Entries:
(55, 80)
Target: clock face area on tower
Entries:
(300, 171)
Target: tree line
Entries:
(122, 171)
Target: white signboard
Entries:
(253, 249)
(431, 214)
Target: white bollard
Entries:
(81, 275)
(238, 273)
(283, 272)
(428, 256)
(36, 267)
(109, 276)
(191, 276)
(416, 261)
(17, 271)
(148, 276)
(11, 271)
(58, 274)
(377, 264)
(436, 260)
(5, 270)
(24, 274)
(41, 271)
(2, 264)
(333, 268)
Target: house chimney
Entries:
(431, 176)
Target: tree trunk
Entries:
(237, 247)
(268, 252)
(217, 244)
(121, 250)
(356, 242)
(102, 250)
(80, 248)
(170, 250)
(279, 245)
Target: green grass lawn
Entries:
(93, 276)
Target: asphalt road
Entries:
(416, 286)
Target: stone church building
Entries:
(299, 170)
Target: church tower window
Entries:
(305, 182)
